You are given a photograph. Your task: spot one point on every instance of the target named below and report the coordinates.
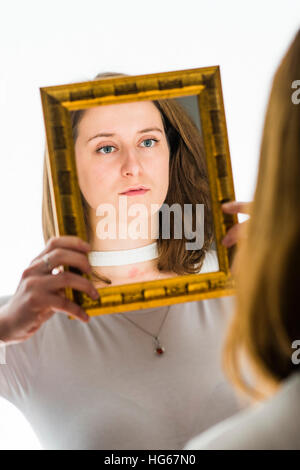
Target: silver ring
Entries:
(46, 261)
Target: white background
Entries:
(57, 42)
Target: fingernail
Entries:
(226, 241)
(95, 294)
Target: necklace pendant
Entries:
(159, 349)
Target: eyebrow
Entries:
(111, 135)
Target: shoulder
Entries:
(4, 299)
(210, 263)
(273, 425)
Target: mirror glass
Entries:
(142, 175)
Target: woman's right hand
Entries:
(40, 293)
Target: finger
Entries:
(63, 257)
(68, 307)
(236, 233)
(70, 242)
(232, 236)
(235, 207)
(68, 279)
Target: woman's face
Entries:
(135, 153)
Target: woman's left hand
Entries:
(234, 234)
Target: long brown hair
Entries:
(188, 185)
(266, 319)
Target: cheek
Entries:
(159, 164)
(92, 173)
(93, 181)
(160, 169)
(99, 185)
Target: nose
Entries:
(131, 165)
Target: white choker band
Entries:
(122, 257)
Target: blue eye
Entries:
(148, 140)
(105, 147)
(111, 146)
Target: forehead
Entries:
(120, 116)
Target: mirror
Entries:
(163, 239)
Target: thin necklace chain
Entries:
(148, 333)
(159, 349)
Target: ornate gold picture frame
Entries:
(58, 101)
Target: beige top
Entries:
(272, 425)
(100, 386)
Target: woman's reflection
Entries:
(153, 144)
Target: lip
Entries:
(138, 189)
(135, 192)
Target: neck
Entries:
(137, 272)
(139, 267)
(107, 235)
(122, 266)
